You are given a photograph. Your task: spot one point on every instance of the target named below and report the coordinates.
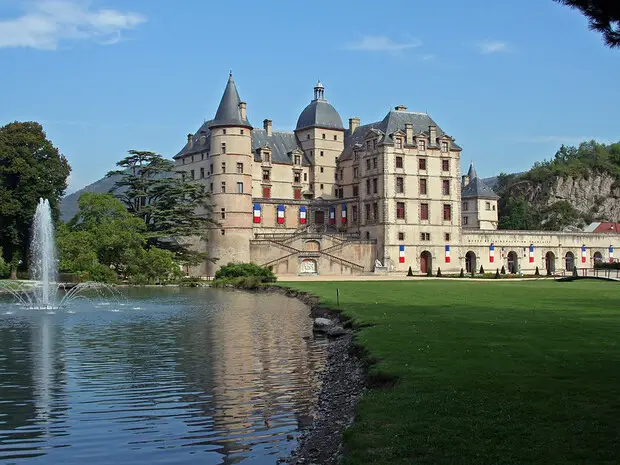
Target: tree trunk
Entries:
(13, 273)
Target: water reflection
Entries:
(194, 376)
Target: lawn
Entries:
(488, 373)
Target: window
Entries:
(374, 163)
(223, 232)
(296, 178)
(223, 147)
(305, 176)
(444, 147)
(223, 167)
(340, 193)
(375, 212)
(356, 190)
(354, 213)
(223, 213)
(445, 186)
(223, 188)
(465, 206)
(297, 159)
(240, 168)
(210, 168)
(368, 146)
(183, 160)
(422, 164)
(192, 159)
(447, 212)
(267, 156)
(368, 186)
(202, 156)
(425, 236)
(445, 165)
(239, 188)
(224, 131)
(399, 143)
(321, 186)
(399, 162)
(322, 153)
(368, 165)
(367, 211)
(192, 175)
(424, 211)
(241, 132)
(423, 186)
(401, 236)
(487, 206)
(308, 137)
(465, 220)
(321, 169)
(421, 145)
(375, 183)
(267, 192)
(356, 172)
(211, 187)
(297, 194)
(400, 185)
(400, 210)
(266, 175)
(202, 173)
(446, 237)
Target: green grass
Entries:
(488, 373)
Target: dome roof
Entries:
(320, 114)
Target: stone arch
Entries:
(598, 257)
(513, 262)
(308, 266)
(426, 262)
(550, 261)
(569, 260)
(470, 262)
(312, 246)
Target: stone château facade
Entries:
(378, 197)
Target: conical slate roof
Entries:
(228, 113)
(477, 188)
(472, 172)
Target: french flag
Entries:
(280, 214)
(332, 215)
(302, 215)
(401, 254)
(491, 253)
(611, 253)
(344, 214)
(531, 253)
(447, 254)
(256, 213)
(583, 254)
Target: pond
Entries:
(163, 376)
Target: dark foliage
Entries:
(603, 16)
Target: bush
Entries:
(503, 270)
(607, 266)
(481, 270)
(462, 275)
(439, 272)
(410, 272)
(575, 272)
(548, 272)
(429, 272)
(244, 270)
(5, 268)
(497, 276)
(240, 282)
(537, 272)
(100, 273)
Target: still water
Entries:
(174, 376)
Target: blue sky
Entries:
(511, 81)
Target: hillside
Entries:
(580, 185)
(69, 203)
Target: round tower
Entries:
(231, 157)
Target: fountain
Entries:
(43, 291)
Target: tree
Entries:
(603, 16)
(537, 272)
(30, 168)
(410, 272)
(497, 275)
(439, 272)
(481, 269)
(173, 209)
(462, 274)
(503, 270)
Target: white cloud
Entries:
(492, 46)
(46, 23)
(381, 44)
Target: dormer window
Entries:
(297, 159)
(399, 143)
(374, 143)
(421, 145)
(267, 156)
(444, 147)
(224, 131)
(368, 146)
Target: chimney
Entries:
(243, 110)
(267, 127)
(409, 132)
(190, 141)
(354, 123)
(464, 180)
(432, 130)
(400, 108)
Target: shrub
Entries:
(537, 272)
(575, 273)
(607, 266)
(481, 270)
(548, 271)
(244, 270)
(439, 272)
(410, 272)
(5, 268)
(429, 272)
(462, 275)
(240, 282)
(497, 276)
(503, 270)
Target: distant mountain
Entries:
(69, 203)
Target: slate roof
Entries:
(281, 144)
(228, 113)
(477, 188)
(393, 121)
(320, 114)
(471, 174)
